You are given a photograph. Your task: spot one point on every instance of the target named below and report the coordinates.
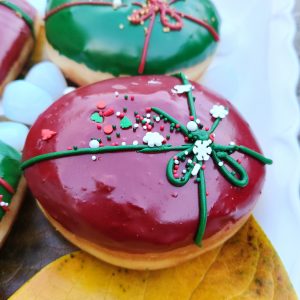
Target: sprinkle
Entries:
(135, 125)
(176, 162)
(196, 169)
(94, 144)
(161, 128)
(191, 118)
(108, 138)
(99, 126)
(190, 161)
(157, 119)
(221, 164)
(95, 116)
(126, 97)
(203, 167)
(121, 26)
(114, 127)
(118, 114)
(148, 116)
(131, 98)
(168, 137)
(94, 157)
(174, 195)
(166, 29)
(239, 161)
(125, 109)
(118, 134)
(135, 143)
(123, 143)
(108, 112)
(101, 105)
(177, 126)
(69, 148)
(47, 134)
(184, 171)
(192, 126)
(117, 94)
(149, 127)
(144, 127)
(148, 109)
(232, 143)
(186, 153)
(198, 121)
(108, 129)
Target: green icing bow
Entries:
(200, 147)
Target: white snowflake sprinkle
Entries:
(202, 150)
(219, 111)
(182, 88)
(153, 139)
(192, 126)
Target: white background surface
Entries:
(257, 69)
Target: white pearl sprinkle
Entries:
(94, 144)
(144, 127)
(118, 113)
(135, 125)
(157, 119)
(176, 162)
(117, 94)
(186, 153)
(123, 143)
(190, 161)
(183, 171)
(135, 143)
(232, 143)
(94, 157)
(221, 164)
(148, 115)
(148, 121)
(198, 121)
(192, 126)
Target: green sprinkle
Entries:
(118, 134)
(114, 127)
(125, 109)
(96, 117)
(108, 138)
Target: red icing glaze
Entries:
(14, 33)
(124, 200)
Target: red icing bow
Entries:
(170, 18)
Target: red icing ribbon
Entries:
(170, 18)
(6, 185)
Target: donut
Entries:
(144, 172)
(17, 38)
(12, 188)
(96, 40)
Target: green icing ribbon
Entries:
(220, 154)
(21, 13)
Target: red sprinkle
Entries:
(162, 127)
(101, 105)
(203, 167)
(148, 109)
(131, 98)
(239, 161)
(99, 126)
(206, 128)
(177, 125)
(149, 127)
(176, 175)
(108, 129)
(164, 141)
(207, 193)
(191, 118)
(212, 137)
(47, 134)
(122, 115)
(108, 112)
(176, 167)
(69, 148)
(186, 139)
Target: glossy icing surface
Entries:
(10, 174)
(105, 40)
(14, 33)
(124, 200)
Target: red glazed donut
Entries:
(17, 21)
(146, 204)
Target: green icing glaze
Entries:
(220, 154)
(92, 35)
(29, 21)
(10, 171)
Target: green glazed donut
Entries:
(102, 39)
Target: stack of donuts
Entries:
(142, 166)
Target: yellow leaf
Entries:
(245, 267)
